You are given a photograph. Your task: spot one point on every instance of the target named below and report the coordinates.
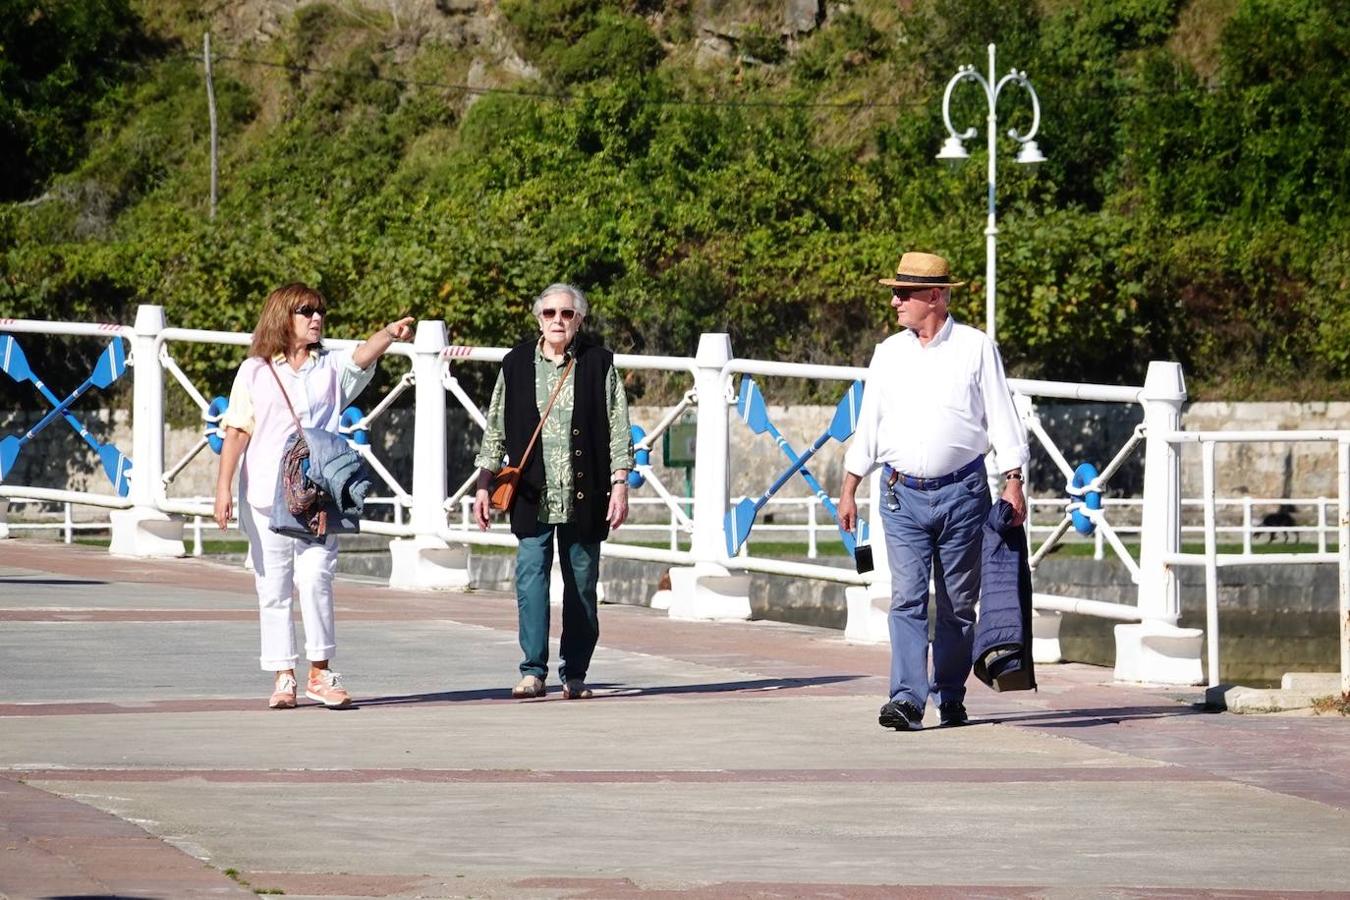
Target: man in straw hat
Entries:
(937, 399)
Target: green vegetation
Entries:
(1194, 205)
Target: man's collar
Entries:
(944, 331)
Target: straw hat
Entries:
(921, 270)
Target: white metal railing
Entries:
(804, 522)
(713, 371)
(1247, 527)
(1212, 560)
(425, 516)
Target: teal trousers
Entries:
(580, 563)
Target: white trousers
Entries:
(281, 565)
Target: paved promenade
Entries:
(137, 759)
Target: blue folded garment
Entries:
(1002, 652)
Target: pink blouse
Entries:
(325, 384)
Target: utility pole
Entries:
(211, 111)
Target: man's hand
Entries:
(848, 505)
(1012, 492)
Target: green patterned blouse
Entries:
(555, 440)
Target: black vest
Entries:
(590, 438)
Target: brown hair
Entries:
(275, 328)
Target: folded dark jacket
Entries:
(342, 475)
(1002, 650)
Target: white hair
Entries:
(578, 298)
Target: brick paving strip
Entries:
(70, 848)
(73, 850)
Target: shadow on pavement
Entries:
(1092, 718)
(85, 581)
(613, 691)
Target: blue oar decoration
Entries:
(741, 517)
(110, 366)
(752, 409)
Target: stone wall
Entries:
(1085, 432)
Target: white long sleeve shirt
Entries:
(929, 410)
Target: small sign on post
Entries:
(677, 451)
(678, 445)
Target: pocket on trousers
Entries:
(976, 483)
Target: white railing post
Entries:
(707, 589)
(811, 549)
(1247, 524)
(426, 560)
(1321, 524)
(1211, 562)
(1156, 650)
(143, 530)
(1160, 526)
(4, 518)
(1343, 554)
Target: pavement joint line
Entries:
(957, 775)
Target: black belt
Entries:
(894, 476)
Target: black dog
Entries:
(1281, 518)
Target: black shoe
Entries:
(952, 713)
(901, 715)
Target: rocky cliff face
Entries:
(718, 26)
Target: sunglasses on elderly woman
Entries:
(567, 314)
(306, 311)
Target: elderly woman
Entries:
(574, 483)
(287, 354)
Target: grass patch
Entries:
(209, 547)
(1333, 704)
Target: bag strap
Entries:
(271, 367)
(547, 409)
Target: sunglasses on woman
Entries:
(567, 314)
(306, 311)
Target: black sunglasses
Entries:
(307, 311)
(567, 314)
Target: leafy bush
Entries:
(1180, 215)
(619, 46)
(57, 58)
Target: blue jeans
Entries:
(580, 621)
(940, 532)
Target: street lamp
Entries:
(954, 151)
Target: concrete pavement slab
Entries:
(719, 760)
(1067, 834)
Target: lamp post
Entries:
(954, 151)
